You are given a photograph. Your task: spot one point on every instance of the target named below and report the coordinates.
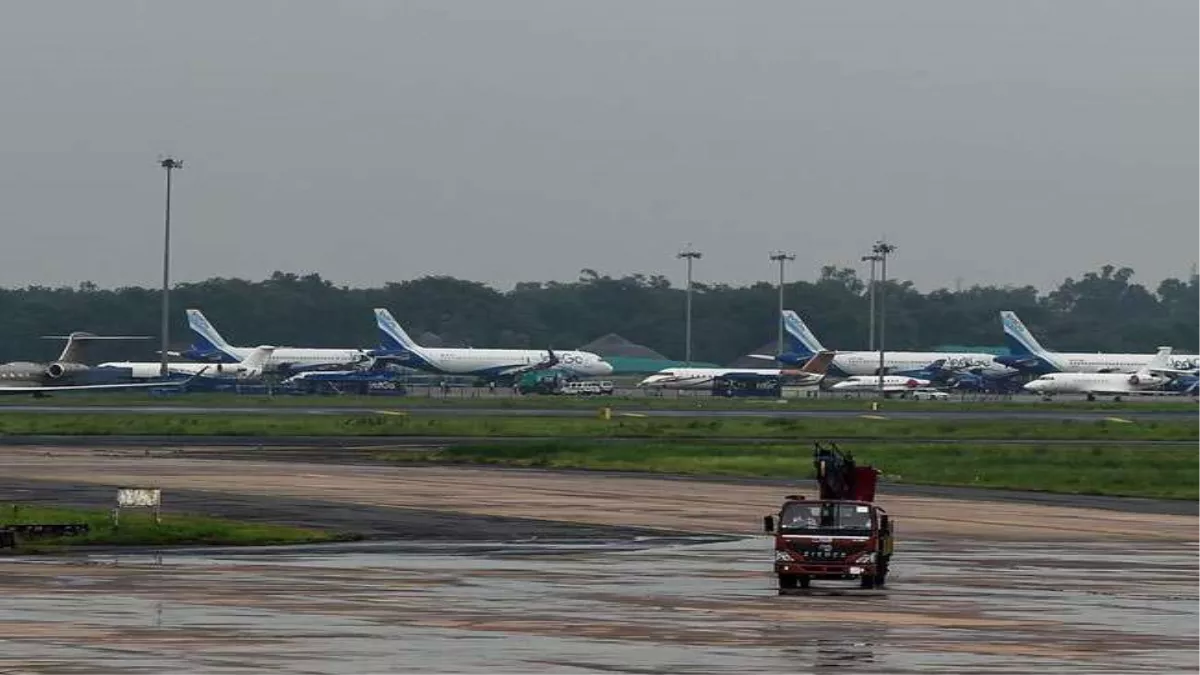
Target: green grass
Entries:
(137, 528)
(1169, 473)
(479, 398)
(585, 427)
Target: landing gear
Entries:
(1091, 397)
(1116, 399)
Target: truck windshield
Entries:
(825, 518)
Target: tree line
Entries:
(1103, 310)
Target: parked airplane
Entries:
(892, 384)
(1150, 379)
(1028, 355)
(210, 347)
(802, 344)
(809, 375)
(24, 377)
(397, 346)
(249, 368)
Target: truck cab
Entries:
(830, 539)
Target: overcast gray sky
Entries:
(996, 142)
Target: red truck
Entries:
(841, 535)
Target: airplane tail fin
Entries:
(207, 338)
(76, 352)
(1161, 362)
(798, 337)
(819, 364)
(256, 361)
(1018, 338)
(393, 337)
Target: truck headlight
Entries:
(864, 558)
(783, 556)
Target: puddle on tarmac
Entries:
(650, 606)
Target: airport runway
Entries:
(949, 413)
(523, 571)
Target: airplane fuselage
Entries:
(891, 383)
(1098, 383)
(702, 378)
(493, 362)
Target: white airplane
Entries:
(487, 363)
(809, 375)
(802, 344)
(211, 347)
(249, 368)
(1028, 355)
(1149, 380)
(892, 384)
(39, 379)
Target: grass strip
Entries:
(582, 427)
(1169, 473)
(138, 528)
(481, 399)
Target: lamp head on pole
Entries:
(170, 163)
(780, 256)
(689, 253)
(882, 249)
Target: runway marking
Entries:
(393, 412)
(1118, 419)
(873, 417)
(633, 414)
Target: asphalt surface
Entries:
(522, 571)
(370, 521)
(1131, 413)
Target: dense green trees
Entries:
(1104, 311)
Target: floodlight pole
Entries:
(871, 293)
(882, 249)
(781, 258)
(170, 164)
(689, 255)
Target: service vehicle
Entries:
(842, 535)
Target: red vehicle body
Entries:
(842, 535)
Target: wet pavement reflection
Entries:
(651, 605)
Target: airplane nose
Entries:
(604, 367)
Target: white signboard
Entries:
(139, 496)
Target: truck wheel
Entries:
(881, 578)
(867, 581)
(805, 581)
(787, 582)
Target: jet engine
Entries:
(61, 369)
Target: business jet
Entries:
(802, 344)
(892, 384)
(210, 347)
(249, 368)
(398, 347)
(809, 375)
(1028, 355)
(1151, 379)
(60, 375)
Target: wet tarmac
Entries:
(483, 570)
(625, 605)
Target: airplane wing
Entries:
(545, 364)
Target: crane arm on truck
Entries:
(840, 478)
